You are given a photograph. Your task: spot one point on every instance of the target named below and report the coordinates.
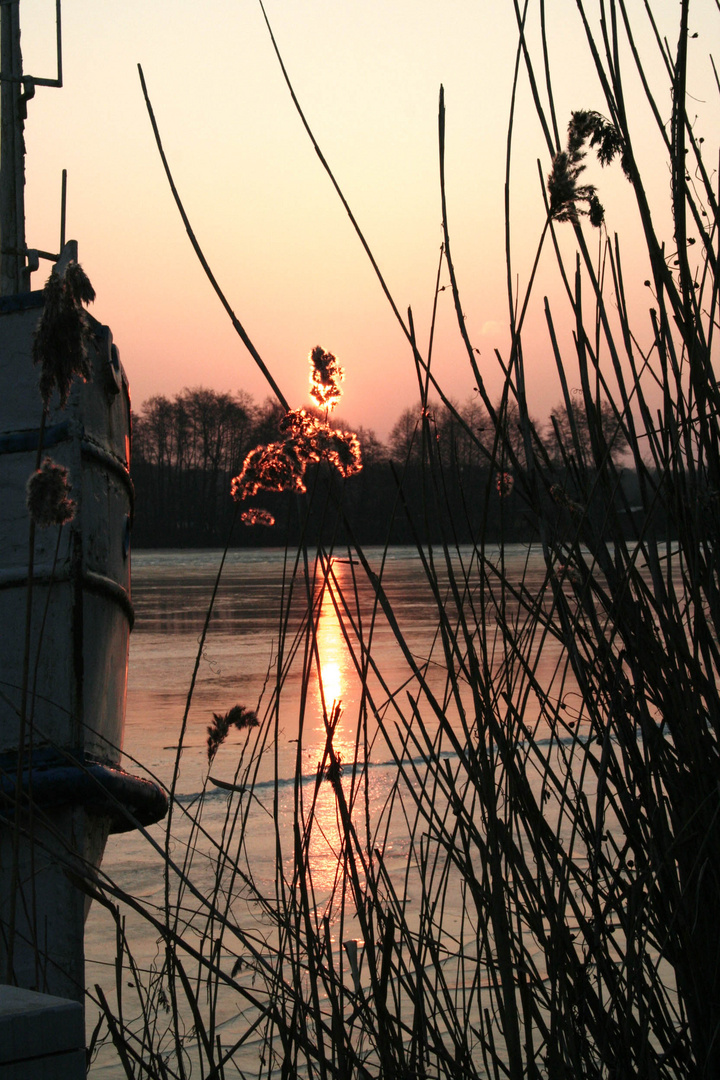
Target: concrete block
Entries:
(41, 1037)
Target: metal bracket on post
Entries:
(31, 81)
(16, 89)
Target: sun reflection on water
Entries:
(334, 668)
(333, 691)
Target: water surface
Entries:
(258, 653)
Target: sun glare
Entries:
(333, 657)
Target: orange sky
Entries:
(367, 74)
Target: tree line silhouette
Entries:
(186, 450)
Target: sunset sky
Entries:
(367, 75)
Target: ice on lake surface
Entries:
(255, 645)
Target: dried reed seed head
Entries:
(280, 466)
(304, 451)
(565, 193)
(78, 284)
(504, 484)
(255, 515)
(238, 717)
(267, 468)
(562, 184)
(48, 495)
(311, 439)
(325, 378)
(563, 188)
(603, 137)
(241, 717)
(63, 332)
(344, 452)
(298, 422)
(596, 212)
(304, 435)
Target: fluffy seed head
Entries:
(48, 495)
(325, 378)
(63, 332)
